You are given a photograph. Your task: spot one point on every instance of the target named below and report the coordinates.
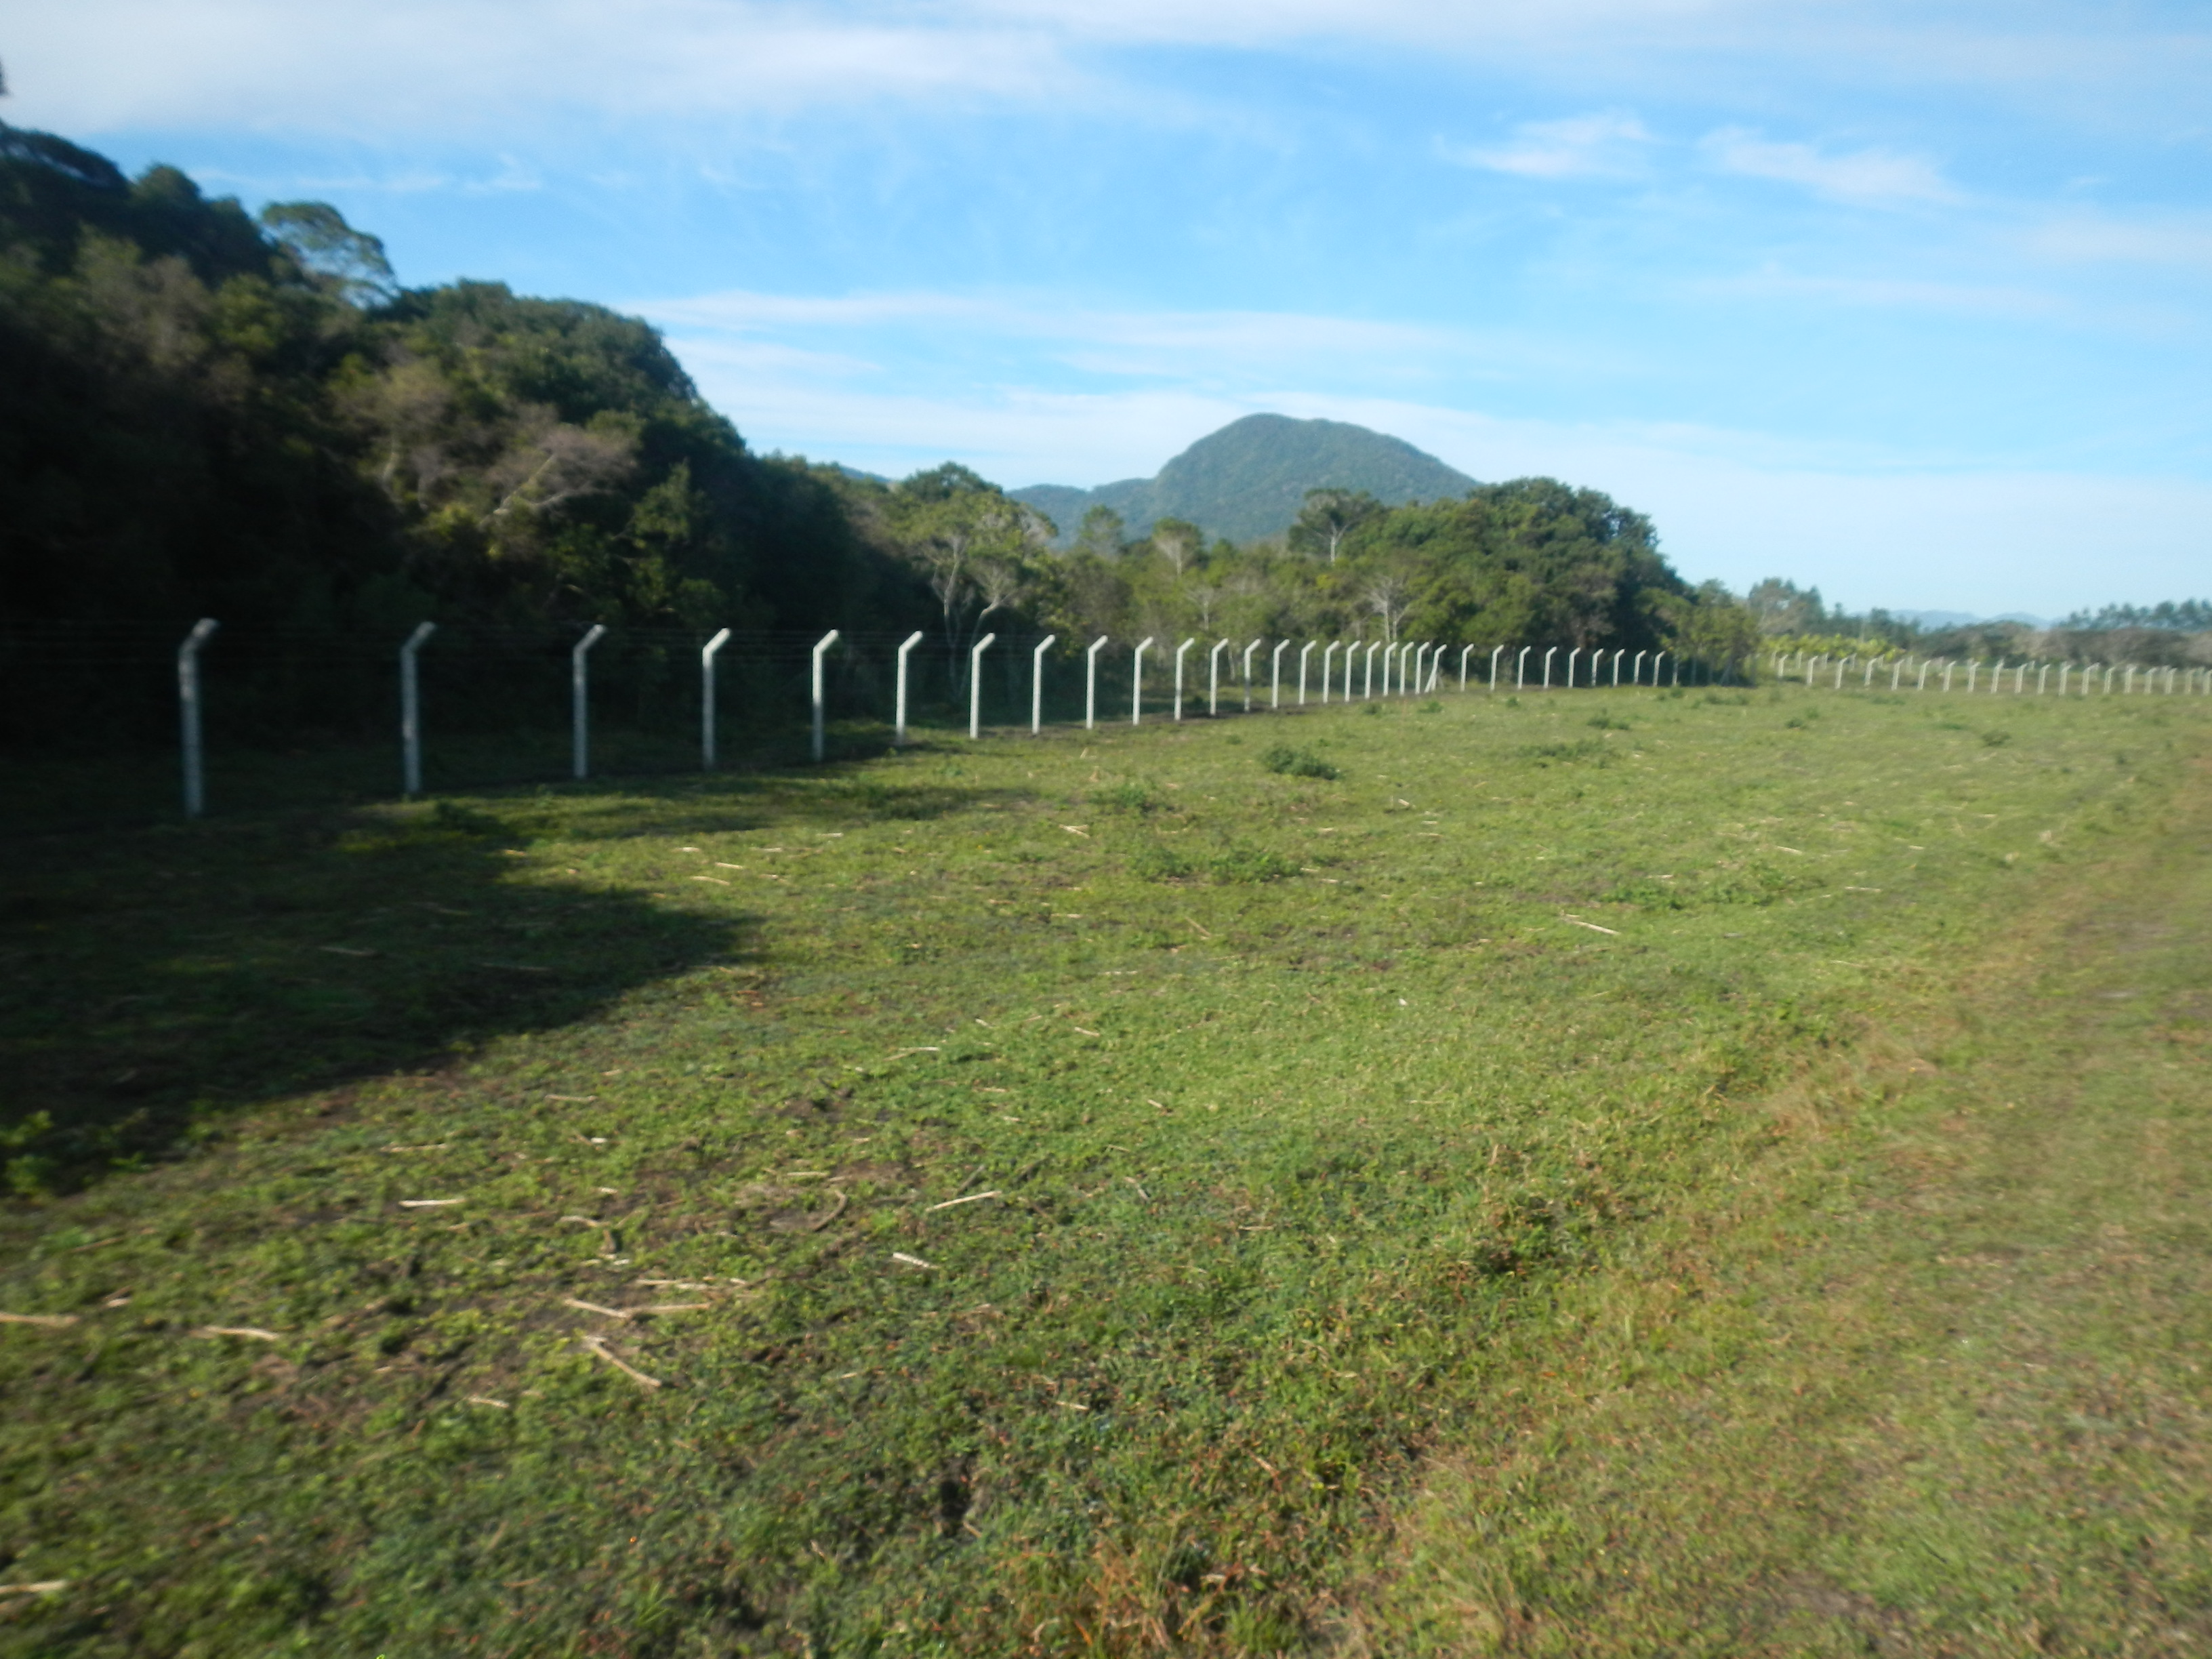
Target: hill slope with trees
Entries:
(1248, 480)
(208, 412)
(200, 410)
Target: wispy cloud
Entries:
(1871, 177)
(1216, 347)
(443, 65)
(2183, 240)
(408, 67)
(1970, 298)
(1606, 145)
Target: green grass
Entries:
(1289, 1114)
(1933, 1382)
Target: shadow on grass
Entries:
(153, 980)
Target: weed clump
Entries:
(1556, 754)
(1607, 723)
(1299, 763)
(1996, 740)
(1125, 798)
(1237, 863)
(881, 799)
(1431, 707)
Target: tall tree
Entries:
(1328, 518)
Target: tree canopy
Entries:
(206, 412)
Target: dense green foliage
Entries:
(203, 412)
(2165, 635)
(1533, 562)
(2188, 616)
(200, 413)
(1247, 481)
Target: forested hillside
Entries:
(203, 412)
(206, 412)
(1248, 480)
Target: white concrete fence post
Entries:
(898, 706)
(579, 701)
(1325, 655)
(1306, 652)
(1090, 683)
(1520, 668)
(1036, 683)
(411, 712)
(1571, 655)
(1214, 679)
(1636, 670)
(1137, 682)
(1180, 652)
(188, 713)
(1248, 650)
(974, 685)
(1275, 672)
(1367, 689)
(708, 653)
(1548, 655)
(821, 710)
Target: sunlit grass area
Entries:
(1056, 1195)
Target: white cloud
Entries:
(1257, 23)
(411, 68)
(439, 65)
(1875, 177)
(2174, 239)
(1199, 348)
(1583, 146)
(1968, 299)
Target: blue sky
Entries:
(1913, 301)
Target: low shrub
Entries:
(1297, 763)
(1125, 798)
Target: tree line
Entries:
(2172, 634)
(206, 412)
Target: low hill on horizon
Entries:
(1248, 479)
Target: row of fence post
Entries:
(1417, 664)
(2094, 675)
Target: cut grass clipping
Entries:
(1087, 1196)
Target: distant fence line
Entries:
(783, 680)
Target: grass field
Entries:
(1615, 1172)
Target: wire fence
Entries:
(96, 718)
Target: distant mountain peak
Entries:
(1248, 479)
